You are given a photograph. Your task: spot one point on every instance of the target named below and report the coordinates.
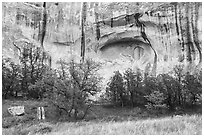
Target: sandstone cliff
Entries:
(151, 36)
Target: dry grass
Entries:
(105, 121)
(186, 125)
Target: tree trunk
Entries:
(85, 113)
(132, 98)
(114, 97)
(32, 66)
(122, 102)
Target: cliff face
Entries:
(153, 38)
(168, 35)
(23, 23)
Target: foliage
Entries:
(69, 87)
(171, 90)
(116, 88)
(74, 83)
(19, 78)
(126, 88)
(11, 76)
(155, 102)
(133, 83)
(168, 86)
(193, 87)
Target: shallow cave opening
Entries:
(124, 47)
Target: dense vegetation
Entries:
(171, 91)
(70, 87)
(18, 77)
(67, 88)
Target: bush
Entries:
(168, 86)
(193, 88)
(177, 88)
(11, 78)
(156, 103)
(133, 84)
(16, 78)
(69, 87)
(116, 89)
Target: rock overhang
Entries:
(123, 40)
(120, 35)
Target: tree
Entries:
(19, 78)
(155, 102)
(11, 76)
(192, 87)
(168, 86)
(33, 68)
(116, 88)
(133, 84)
(150, 84)
(70, 87)
(179, 76)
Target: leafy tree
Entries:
(69, 87)
(179, 76)
(155, 102)
(133, 84)
(85, 81)
(33, 67)
(11, 76)
(116, 88)
(19, 78)
(192, 87)
(168, 86)
(150, 84)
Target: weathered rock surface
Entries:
(154, 37)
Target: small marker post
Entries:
(41, 113)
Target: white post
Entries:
(38, 113)
(41, 113)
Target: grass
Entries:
(101, 121)
(187, 125)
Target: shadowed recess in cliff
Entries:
(125, 20)
(135, 50)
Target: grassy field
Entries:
(102, 121)
(187, 125)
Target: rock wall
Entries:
(153, 36)
(172, 31)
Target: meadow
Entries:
(102, 120)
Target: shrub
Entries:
(193, 88)
(116, 89)
(69, 87)
(168, 86)
(17, 77)
(11, 78)
(156, 102)
(133, 84)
